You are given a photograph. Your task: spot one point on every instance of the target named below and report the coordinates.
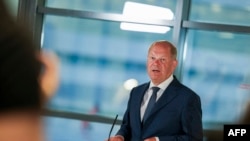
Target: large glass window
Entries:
(221, 11)
(113, 6)
(216, 66)
(101, 60)
(59, 129)
(100, 63)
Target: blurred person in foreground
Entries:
(176, 113)
(28, 78)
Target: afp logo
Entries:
(236, 132)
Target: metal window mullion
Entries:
(28, 16)
(101, 16)
(216, 27)
(179, 33)
(80, 116)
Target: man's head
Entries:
(161, 61)
(27, 79)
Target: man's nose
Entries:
(157, 61)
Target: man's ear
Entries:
(175, 64)
(49, 78)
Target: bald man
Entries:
(176, 112)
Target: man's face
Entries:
(160, 65)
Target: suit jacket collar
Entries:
(168, 95)
(139, 93)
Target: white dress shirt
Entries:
(149, 92)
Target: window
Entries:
(216, 67)
(221, 11)
(100, 61)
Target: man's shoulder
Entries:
(143, 85)
(185, 89)
(140, 87)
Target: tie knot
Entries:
(155, 89)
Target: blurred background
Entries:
(102, 46)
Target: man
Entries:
(176, 113)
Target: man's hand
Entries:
(116, 138)
(150, 139)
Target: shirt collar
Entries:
(163, 85)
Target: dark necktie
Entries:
(151, 103)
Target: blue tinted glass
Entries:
(221, 11)
(99, 63)
(60, 129)
(114, 6)
(217, 67)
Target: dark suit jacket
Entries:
(177, 115)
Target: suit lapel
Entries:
(139, 94)
(168, 95)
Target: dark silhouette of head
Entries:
(19, 67)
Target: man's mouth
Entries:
(155, 70)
